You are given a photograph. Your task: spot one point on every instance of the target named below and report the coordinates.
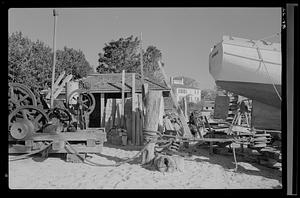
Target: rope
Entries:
(150, 136)
(260, 57)
(105, 165)
(31, 153)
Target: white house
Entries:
(183, 89)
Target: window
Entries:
(182, 91)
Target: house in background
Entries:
(185, 87)
(208, 108)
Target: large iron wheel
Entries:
(81, 99)
(19, 95)
(32, 113)
(62, 114)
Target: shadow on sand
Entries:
(227, 162)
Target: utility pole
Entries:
(142, 67)
(54, 58)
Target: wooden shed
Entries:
(107, 90)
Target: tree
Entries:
(30, 63)
(72, 62)
(208, 94)
(119, 55)
(124, 54)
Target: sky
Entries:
(184, 35)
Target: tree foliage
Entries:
(30, 63)
(124, 54)
(208, 94)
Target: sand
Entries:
(201, 171)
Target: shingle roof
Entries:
(113, 83)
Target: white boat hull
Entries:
(250, 69)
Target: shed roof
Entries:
(112, 82)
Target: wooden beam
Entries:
(138, 129)
(186, 129)
(116, 85)
(58, 80)
(161, 114)
(123, 99)
(133, 109)
(128, 86)
(152, 107)
(61, 86)
(141, 124)
(184, 107)
(102, 106)
(114, 109)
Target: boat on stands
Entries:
(251, 68)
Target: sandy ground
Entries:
(201, 171)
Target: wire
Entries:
(31, 153)
(260, 57)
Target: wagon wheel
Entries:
(19, 95)
(63, 114)
(32, 113)
(84, 99)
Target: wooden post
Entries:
(142, 62)
(185, 108)
(152, 107)
(137, 127)
(123, 100)
(161, 114)
(102, 106)
(133, 110)
(108, 114)
(113, 109)
(186, 129)
(54, 58)
(141, 124)
(144, 95)
(67, 92)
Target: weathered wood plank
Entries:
(123, 100)
(152, 106)
(134, 107)
(70, 136)
(61, 86)
(187, 131)
(102, 110)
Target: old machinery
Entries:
(26, 120)
(81, 103)
(19, 95)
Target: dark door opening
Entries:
(95, 116)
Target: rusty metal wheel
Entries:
(63, 114)
(31, 113)
(19, 95)
(81, 99)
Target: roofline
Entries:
(137, 75)
(174, 85)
